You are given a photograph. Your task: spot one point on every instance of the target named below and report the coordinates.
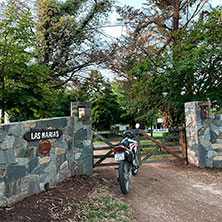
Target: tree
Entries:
(148, 91)
(60, 105)
(194, 75)
(90, 87)
(150, 30)
(198, 67)
(22, 86)
(106, 110)
(143, 58)
(94, 85)
(68, 37)
(127, 115)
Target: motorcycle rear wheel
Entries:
(125, 174)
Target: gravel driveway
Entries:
(169, 192)
(172, 192)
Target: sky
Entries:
(134, 3)
(138, 3)
(116, 32)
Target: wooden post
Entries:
(186, 154)
(139, 149)
(151, 126)
(181, 143)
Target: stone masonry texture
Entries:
(203, 135)
(24, 171)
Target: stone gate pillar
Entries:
(199, 148)
(81, 112)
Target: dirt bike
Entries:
(126, 155)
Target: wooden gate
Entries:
(163, 148)
(102, 148)
(151, 149)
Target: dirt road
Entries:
(173, 192)
(166, 192)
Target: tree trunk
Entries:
(176, 17)
(3, 101)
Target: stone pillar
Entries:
(81, 112)
(199, 147)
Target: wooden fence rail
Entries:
(157, 145)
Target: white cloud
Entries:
(216, 3)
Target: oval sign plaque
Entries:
(44, 147)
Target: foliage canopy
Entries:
(23, 89)
(68, 37)
(166, 52)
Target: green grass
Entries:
(102, 207)
(98, 143)
(149, 149)
(148, 142)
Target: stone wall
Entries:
(216, 128)
(83, 137)
(25, 171)
(204, 135)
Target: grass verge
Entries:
(102, 206)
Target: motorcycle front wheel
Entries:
(135, 168)
(125, 174)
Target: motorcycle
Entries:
(126, 155)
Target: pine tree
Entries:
(68, 39)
